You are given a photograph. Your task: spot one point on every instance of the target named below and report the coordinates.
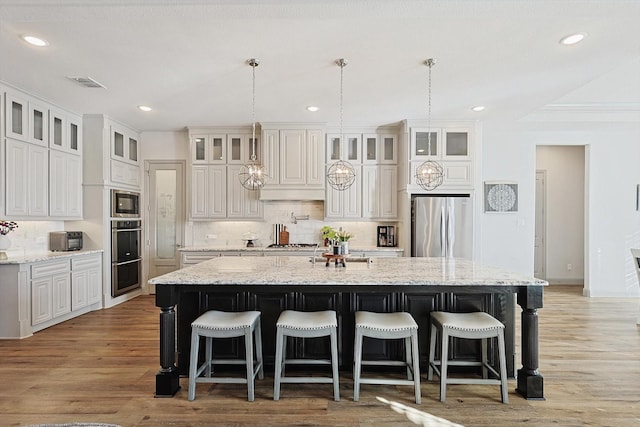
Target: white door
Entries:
(166, 216)
(539, 262)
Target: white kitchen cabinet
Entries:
(41, 300)
(50, 290)
(380, 192)
(27, 183)
(124, 144)
(348, 148)
(209, 149)
(65, 185)
(345, 204)
(215, 189)
(86, 280)
(125, 173)
(451, 147)
(379, 149)
(208, 192)
(109, 161)
(241, 203)
(65, 131)
(294, 160)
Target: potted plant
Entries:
(343, 237)
(328, 235)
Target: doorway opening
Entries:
(560, 240)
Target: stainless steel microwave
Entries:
(125, 204)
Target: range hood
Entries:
(292, 194)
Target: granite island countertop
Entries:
(284, 270)
(306, 249)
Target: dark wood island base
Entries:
(182, 299)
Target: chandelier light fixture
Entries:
(429, 174)
(253, 175)
(341, 175)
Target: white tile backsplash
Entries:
(229, 233)
(32, 236)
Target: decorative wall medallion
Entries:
(500, 197)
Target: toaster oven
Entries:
(65, 240)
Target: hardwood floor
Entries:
(101, 368)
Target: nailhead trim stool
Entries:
(220, 324)
(387, 326)
(306, 325)
(477, 325)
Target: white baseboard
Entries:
(577, 282)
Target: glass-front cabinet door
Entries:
(425, 143)
(236, 148)
(17, 115)
(39, 119)
(133, 150)
(57, 130)
(208, 149)
(456, 144)
(118, 144)
(74, 134)
(389, 149)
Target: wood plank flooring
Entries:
(101, 368)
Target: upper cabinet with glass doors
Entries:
(379, 149)
(65, 131)
(444, 144)
(223, 148)
(26, 119)
(124, 144)
(348, 148)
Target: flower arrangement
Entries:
(7, 226)
(343, 236)
(328, 233)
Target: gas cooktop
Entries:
(293, 245)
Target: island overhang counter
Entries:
(415, 285)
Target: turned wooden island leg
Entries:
(167, 378)
(530, 382)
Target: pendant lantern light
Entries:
(429, 174)
(253, 175)
(341, 175)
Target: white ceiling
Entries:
(187, 59)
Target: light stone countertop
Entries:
(20, 257)
(310, 249)
(296, 270)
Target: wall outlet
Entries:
(211, 236)
(569, 267)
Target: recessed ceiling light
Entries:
(572, 39)
(144, 108)
(35, 41)
(312, 108)
(478, 108)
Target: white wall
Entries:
(564, 237)
(612, 172)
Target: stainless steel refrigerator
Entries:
(442, 226)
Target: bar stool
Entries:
(387, 326)
(220, 324)
(477, 325)
(306, 325)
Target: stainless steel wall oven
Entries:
(126, 259)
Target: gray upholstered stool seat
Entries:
(221, 324)
(306, 325)
(387, 326)
(477, 325)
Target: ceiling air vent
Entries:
(86, 82)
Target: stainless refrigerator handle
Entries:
(443, 230)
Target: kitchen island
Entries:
(274, 284)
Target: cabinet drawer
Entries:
(85, 262)
(49, 268)
(194, 258)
